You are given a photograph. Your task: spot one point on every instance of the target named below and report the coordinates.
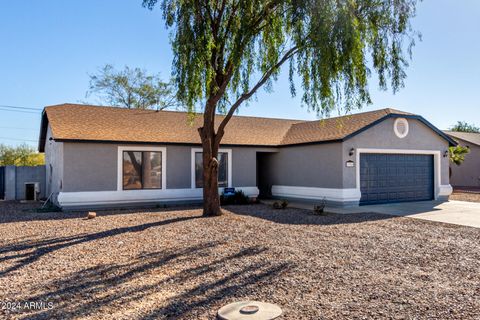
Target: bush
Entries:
(49, 207)
(238, 198)
(280, 205)
(319, 209)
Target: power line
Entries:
(14, 139)
(22, 111)
(17, 128)
(18, 107)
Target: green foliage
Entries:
(238, 198)
(22, 155)
(49, 207)
(132, 89)
(225, 50)
(457, 154)
(465, 127)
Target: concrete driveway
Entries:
(455, 212)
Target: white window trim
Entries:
(229, 166)
(407, 127)
(121, 149)
(439, 189)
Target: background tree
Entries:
(132, 89)
(225, 50)
(465, 127)
(22, 155)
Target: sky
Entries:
(49, 48)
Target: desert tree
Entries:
(132, 88)
(21, 155)
(462, 126)
(225, 50)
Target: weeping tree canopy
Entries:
(227, 49)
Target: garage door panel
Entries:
(396, 178)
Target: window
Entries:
(222, 169)
(142, 170)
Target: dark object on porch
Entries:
(237, 198)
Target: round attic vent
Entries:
(401, 127)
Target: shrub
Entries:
(49, 207)
(280, 205)
(238, 198)
(319, 208)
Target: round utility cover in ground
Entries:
(249, 310)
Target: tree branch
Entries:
(221, 129)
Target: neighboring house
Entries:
(106, 156)
(468, 173)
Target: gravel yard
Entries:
(466, 196)
(174, 264)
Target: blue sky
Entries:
(49, 47)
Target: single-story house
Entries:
(107, 156)
(468, 173)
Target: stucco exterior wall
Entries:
(30, 175)
(94, 166)
(53, 166)
(468, 173)
(316, 165)
(382, 136)
(89, 167)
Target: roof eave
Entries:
(450, 141)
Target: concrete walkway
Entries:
(454, 212)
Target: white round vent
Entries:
(401, 127)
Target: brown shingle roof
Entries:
(94, 123)
(334, 128)
(465, 136)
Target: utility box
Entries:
(32, 191)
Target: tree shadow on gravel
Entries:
(28, 252)
(304, 217)
(191, 279)
(13, 211)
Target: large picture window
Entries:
(142, 170)
(222, 169)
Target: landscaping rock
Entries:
(175, 264)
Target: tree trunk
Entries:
(211, 198)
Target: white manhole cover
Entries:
(249, 310)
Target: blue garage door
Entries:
(386, 178)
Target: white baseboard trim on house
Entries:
(445, 190)
(329, 194)
(102, 198)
